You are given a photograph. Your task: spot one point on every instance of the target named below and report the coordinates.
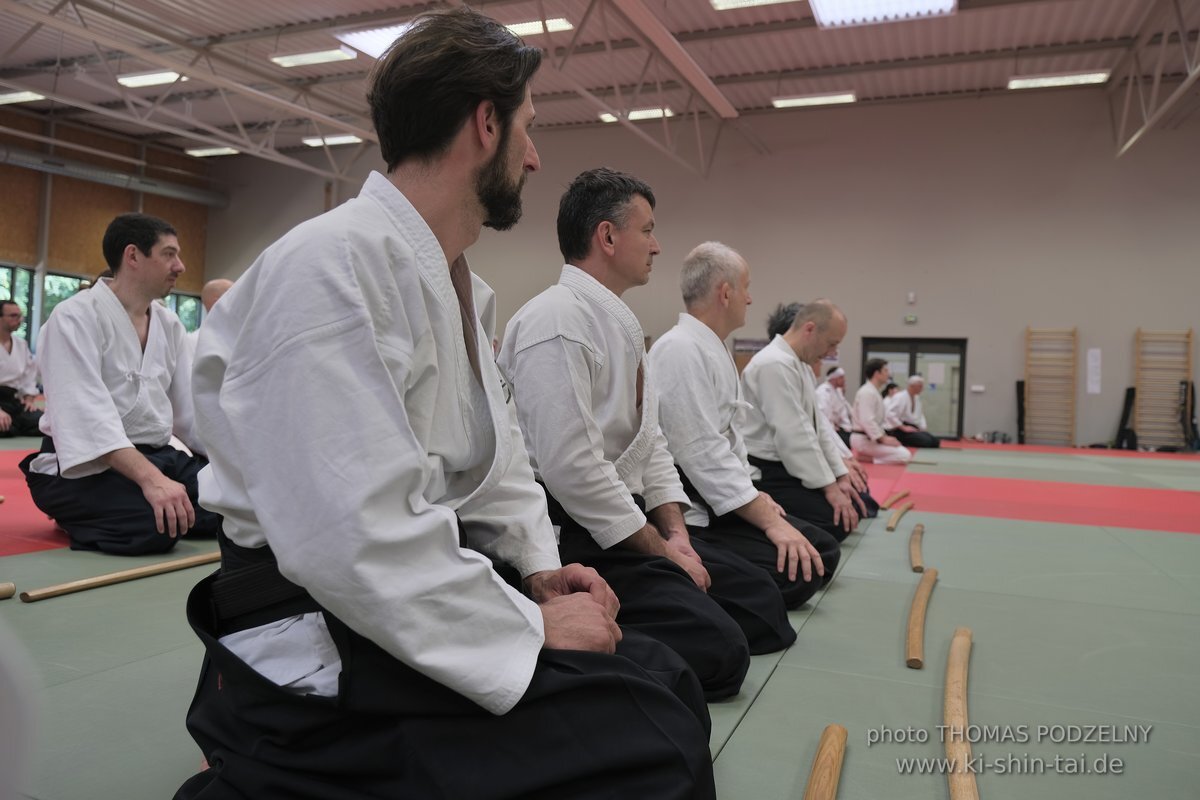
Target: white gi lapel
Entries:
(592, 290)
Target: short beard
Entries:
(500, 198)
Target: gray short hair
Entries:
(708, 266)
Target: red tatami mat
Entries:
(1042, 501)
(969, 444)
(23, 529)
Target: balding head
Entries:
(817, 329)
(212, 292)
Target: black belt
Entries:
(250, 591)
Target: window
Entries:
(187, 306)
(56, 289)
(16, 284)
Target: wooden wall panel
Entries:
(81, 211)
(19, 221)
(191, 221)
(100, 142)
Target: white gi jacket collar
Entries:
(636, 454)
(435, 273)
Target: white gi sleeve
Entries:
(689, 413)
(26, 384)
(868, 409)
(660, 479)
(552, 385)
(336, 477)
(85, 422)
(183, 410)
(778, 387)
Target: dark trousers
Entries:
(24, 423)
(916, 438)
(845, 436)
(714, 632)
(796, 499)
(732, 533)
(109, 513)
(589, 725)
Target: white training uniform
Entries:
(572, 355)
(783, 422)
(906, 408)
(834, 406)
(18, 369)
(701, 409)
(869, 420)
(347, 427)
(103, 393)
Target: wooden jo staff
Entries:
(7, 590)
(827, 765)
(958, 748)
(897, 514)
(914, 651)
(914, 548)
(119, 577)
(896, 498)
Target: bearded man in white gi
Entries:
(18, 377)
(701, 408)
(870, 439)
(112, 360)
(800, 464)
(575, 358)
(361, 639)
(905, 407)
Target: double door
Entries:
(941, 362)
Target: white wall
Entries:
(999, 212)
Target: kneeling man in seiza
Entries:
(701, 407)
(575, 358)
(113, 360)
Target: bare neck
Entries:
(443, 195)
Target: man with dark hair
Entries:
(575, 358)
(781, 319)
(870, 439)
(111, 361)
(392, 618)
(906, 417)
(18, 377)
(701, 408)
(798, 457)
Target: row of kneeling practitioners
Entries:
(570, 547)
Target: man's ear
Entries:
(604, 237)
(487, 125)
(131, 253)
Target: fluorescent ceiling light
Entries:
(844, 13)
(136, 80)
(341, 53)
(534, 28)
(205, 152)
(373, 41)
(639, 114)
(1061, 79)
(341, 138)
(826, 99)
(19, 97)
(730, 5)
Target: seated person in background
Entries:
(110, 360)
(800, 465)
(891, 420)
(575, 359)
(18, 377)
(870, 439)
(700, 414)
(905, 408)
(832, 399)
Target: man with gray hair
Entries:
(798, 457)
(906, 407)
(700, 413)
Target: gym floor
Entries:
(1078, 572)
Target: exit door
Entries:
(942, 362)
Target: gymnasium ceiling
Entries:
(711, 68)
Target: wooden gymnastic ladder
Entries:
(1051, 355)
(1164, 360)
